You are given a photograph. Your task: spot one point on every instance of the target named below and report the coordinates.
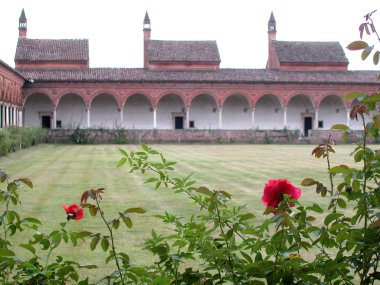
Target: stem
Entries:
(278, 250)
(230, 261)
(112, 241)
(48, 257)
(4, 217)
(362, 279)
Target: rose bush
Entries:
(220, 243)
(275, 190)
(72, 212)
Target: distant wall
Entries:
(173, 136)
(124, 136)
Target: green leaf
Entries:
(6, 252)
(94, 242)
(204, 190)
(83, 234)
(121, 162)
(366, 52)
(104, 244)
(32, 221)
(28, 247)
(341, 203)
(127, 221)
(116, 224)
(145, 147)
(135, 210)
(340, 169)
(354, 95)
(376, 58)
(308, 182)
(123, 152)
(247, 216)
(315, 208)
(358, 155)
(373, 97)
(332, 217)
(340, 127)
(26, 181)
(357, 45)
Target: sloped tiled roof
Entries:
(310, 52)
(183, 51)
(51, 50)
(217, 76)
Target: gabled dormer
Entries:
(178, 55)
(303, 56)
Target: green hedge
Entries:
(13, 138)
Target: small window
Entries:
(320, 124)
(191, 124)
(59, 124)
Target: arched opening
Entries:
(38, 111)
(236, 114)
(300, 114)
(171, 113)
(71, 112)
(105, 112)
(203, 112)
(269, 113)
(331, 111)
(138, 112)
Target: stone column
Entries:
(316, 119)
(121, 117)
(54, 125)
(253, 117)
(88, 117)
(155, 118)
(1, 116)
(20, 118)
(348, 117)
(220, 118)
(187, 121)
(15, 116)
(7, 116)
(285, 123)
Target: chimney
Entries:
(146, 29)
(272, 62)
(22, 25)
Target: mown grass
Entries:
(60, 173)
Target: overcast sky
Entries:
(114, 27)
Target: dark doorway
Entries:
(46, 122)
(308, 125)
(178, 123)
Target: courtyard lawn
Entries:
(60, 173)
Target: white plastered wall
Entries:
(138, 113)
(269, 113)
(35, 106)
(204, 112)
(332, 111)
(71, 111)
(168, 105)
(236, 114)
(299, 107)
(104, 112)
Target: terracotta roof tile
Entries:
(183, 51)
(51, 50)
(216, 76)
(310, 52)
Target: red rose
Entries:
(274, 190)
(72, 212)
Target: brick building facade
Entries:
(181, 86)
